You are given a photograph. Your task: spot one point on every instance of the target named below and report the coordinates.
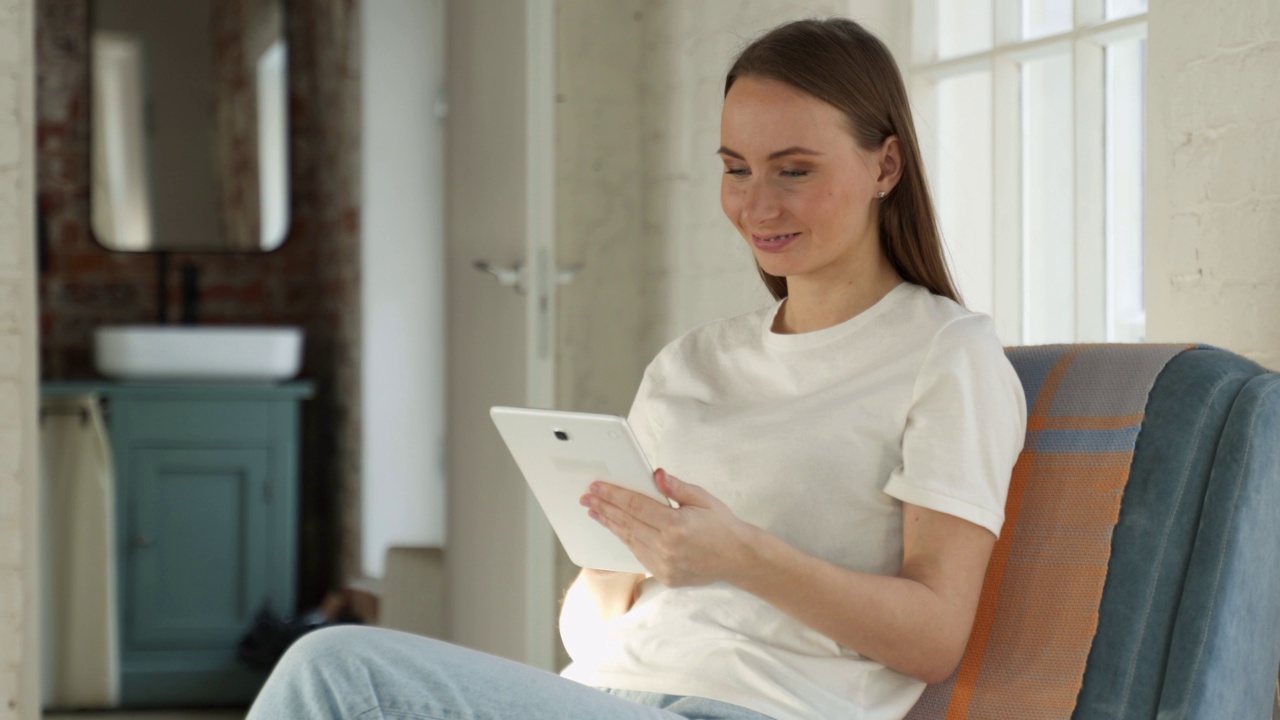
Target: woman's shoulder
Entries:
(945, 335)
(940, 318)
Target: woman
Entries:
(851, 446)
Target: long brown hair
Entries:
(842, 64)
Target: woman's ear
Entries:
(890, 159)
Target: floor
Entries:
(150, 715)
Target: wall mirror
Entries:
(190, 125)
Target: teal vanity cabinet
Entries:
(206, 521)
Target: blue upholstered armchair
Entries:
(1174, 454)
(1189, 625)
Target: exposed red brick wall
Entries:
(326, 103)
(311, 281)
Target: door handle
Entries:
(565, 276)
(517, 276)
(513, 277)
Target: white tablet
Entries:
(560, 454)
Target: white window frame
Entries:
(1086, 42)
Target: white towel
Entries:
(79, 561)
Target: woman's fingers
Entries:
(639, 506)
(632, 531)
(690, 545)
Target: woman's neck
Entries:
(814, 303)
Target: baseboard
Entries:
(410, 595)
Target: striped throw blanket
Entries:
(1039, 608)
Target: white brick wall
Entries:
(19, 688)
(1213, 173)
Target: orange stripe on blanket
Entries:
(984, 622)
(1038, 612)
(1080, 519)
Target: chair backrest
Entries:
(1225, 644)
(1157, 526)
(1160, 517)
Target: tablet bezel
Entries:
(559, 471)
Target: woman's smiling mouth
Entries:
(773, 243)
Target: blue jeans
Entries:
(351, 672)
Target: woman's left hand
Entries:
(698, 543)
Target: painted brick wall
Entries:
(19, 618)
(311, 281)
(1213, 173)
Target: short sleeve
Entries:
(965, 426)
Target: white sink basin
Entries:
(186, 353)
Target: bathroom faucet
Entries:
(190, 295)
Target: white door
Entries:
(500, 211)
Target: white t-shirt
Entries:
(817, 438)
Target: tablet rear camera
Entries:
(562, 435)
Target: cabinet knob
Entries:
(141, 541)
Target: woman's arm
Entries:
(594, 598)
(917, 623)
(602, 594)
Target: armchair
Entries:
(1187, 621)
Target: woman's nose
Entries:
(761, 201)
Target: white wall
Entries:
(19, 613)
(599, 203)
(485, 561)
(402, 286)
(1213, 175)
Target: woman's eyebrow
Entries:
(793, 150)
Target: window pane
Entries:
(964, 27)
(1125, 78)
(962, 176)
(1048, 208)
(1125, 8)
(1045, 17)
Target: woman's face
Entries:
(797, 186)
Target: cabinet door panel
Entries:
(197, 548)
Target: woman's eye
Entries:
(795, 173)
(737, 172)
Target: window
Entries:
(1030, 115)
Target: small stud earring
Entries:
(881, 195)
